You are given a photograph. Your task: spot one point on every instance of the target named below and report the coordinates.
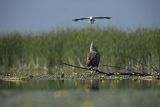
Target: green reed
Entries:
(45, 52)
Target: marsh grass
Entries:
(38, 54)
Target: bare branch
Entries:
(112, 73)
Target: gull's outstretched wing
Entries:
(99, 17)
(82, 18)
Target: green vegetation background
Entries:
(45, 52)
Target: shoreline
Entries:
(52, 77)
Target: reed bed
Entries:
(36, 54)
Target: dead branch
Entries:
(111, 73)
(96, 70)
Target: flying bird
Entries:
(93, 57)
(92, 19)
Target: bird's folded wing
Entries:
(88, 61)
(83, 18)
(91, 56)
(99, 17)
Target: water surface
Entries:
(80, 93)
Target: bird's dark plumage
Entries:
(93, 57)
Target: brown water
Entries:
(80, 93)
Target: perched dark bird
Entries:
(92, 19)
(93, 57)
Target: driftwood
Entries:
(107, 73)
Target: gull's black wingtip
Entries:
(109, 17)
(74, 20)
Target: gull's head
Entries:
(90, 17)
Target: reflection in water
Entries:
(94, 85)
(87, 104)
(79, 84)
(81, 93)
